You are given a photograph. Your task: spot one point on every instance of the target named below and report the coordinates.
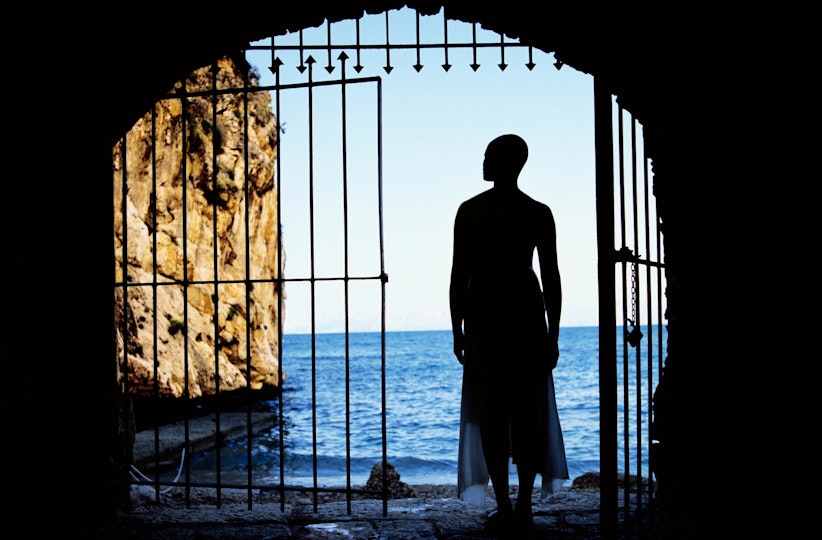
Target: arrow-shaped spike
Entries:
(475, 66)
(301, 67)
(358, 67)
(530, 65)
(275, 67)
(446, 66)
(387, 67)
(342, 58)
(418, 65)
(329, 68)
(502, 65)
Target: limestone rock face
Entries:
(202, 247)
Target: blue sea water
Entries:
(422, 403)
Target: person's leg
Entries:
(522, 511)
(498, 471)
(495, 447)
(528, 452)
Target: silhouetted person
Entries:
(505, 336)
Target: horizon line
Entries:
(306, 333)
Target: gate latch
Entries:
(634, 336)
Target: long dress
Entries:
(505, 341)
(472, 473)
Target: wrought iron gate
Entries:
(630, 283)
(144, 211)
(632, 334)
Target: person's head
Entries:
(504, 158)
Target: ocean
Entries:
(422, 402)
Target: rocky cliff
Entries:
(203, 225)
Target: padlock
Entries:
(635, 335)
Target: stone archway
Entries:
(640, 72)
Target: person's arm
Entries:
(551, 282)
(459, 286)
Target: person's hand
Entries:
(551, 351)
(459, 346)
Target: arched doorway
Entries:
(628, 262)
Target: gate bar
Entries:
(603, 143)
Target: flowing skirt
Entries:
(506, 372)
(472, 473)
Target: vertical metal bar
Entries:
(154, 272)
(280, 301)
(330, 68)
(660, 281)
(418, 65)
(502, 65)
(273, 57)
(248, 289)
(635, 308)
(184, 208)
(345, 285)
(215, 279)
(650, 297)
(310, 62)
(474, 64)
(446, 66)
(302, 52)
(603, 147)
(383, 281)
(124, 387)
(626, 439)
(387, 45)
(358, 48)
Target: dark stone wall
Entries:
(686, 72)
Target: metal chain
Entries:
(634, 336)
(633, 292)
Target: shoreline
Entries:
(202, 435)
(144, 495)
(179, 497)
(431, 511)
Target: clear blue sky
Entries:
(435, 127)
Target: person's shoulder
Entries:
(539, 205)
(476, 200)
(540, 211)
(488, 193)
